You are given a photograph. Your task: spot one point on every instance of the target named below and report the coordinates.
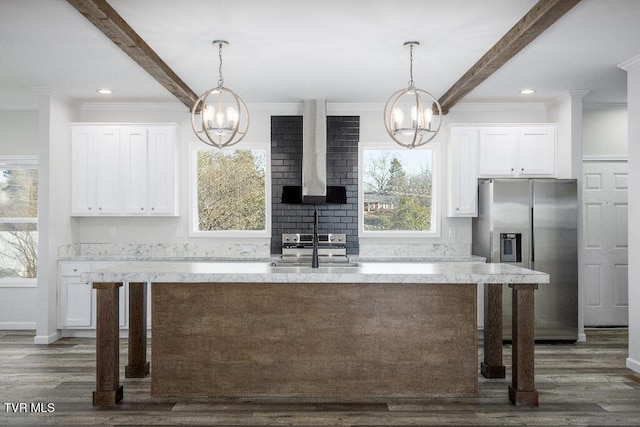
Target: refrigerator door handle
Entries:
(533, 246)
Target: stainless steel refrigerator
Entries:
(532, 223)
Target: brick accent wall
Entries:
(343, 134)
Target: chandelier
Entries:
(219, 117)
(421, 110)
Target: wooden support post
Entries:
(492, 366)
(108, 389)
(522, 391)
(137, 366)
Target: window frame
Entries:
(20, 162)
(436, 200)
(194, 148)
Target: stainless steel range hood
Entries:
(314, 151)
(314, 189)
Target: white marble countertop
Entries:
(265, 272)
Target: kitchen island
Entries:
(254, 330)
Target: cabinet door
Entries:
(134, 170)
(95, 170)
(74, 297)
(537, 151)
(463, 176)
(107, 165)
(83, 176)
(161, 184)
(498, 151)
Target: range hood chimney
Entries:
(314, 189)
(314, 152)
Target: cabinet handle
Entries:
(100, 208)
(457, 209)
(522, 170)
(89, 207)
(141, 209)
(153, 209)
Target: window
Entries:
(230, 191)
(398, 191)
(18, 218)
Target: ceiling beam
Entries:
(103, 16)
(535, 22)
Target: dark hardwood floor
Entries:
(579, 384)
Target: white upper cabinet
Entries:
(95, 170)
(463, 174)
(123, 170)
(537, 151)
(497, 151)
(498, 148)
(518, 151)
(161, 170)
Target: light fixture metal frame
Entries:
(213, 136)
(418, 135)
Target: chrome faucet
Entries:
(314, 255)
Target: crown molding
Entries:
(570, 95)
(19, 106)
(135, 106)
(604, 106)
(498, 106)
(630, 64)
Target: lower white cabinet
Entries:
(77, 299)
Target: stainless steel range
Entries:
(298, 248)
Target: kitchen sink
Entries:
(290, 267)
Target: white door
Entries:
(605, 241)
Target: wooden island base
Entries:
(347, 340)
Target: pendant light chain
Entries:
(221, 80)
(411, 82)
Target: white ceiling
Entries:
(347, 51)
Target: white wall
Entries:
(18, 132)
(54, 151)
(605, 131)
(633, 99)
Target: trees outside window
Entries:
(18, 219)
(231, 190)
(398, 190)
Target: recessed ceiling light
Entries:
(527, 91)
(104, 91)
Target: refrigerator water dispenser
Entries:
(510, 247)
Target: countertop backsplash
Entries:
(257, 251)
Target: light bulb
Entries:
(428, 117)
(414, 117)
(232, 117)
(220, 118)
(208, 115)
(398, 117)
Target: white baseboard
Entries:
(47, 339)
(633, 364)
(18, 326)
(582, 337)
(91, 333)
